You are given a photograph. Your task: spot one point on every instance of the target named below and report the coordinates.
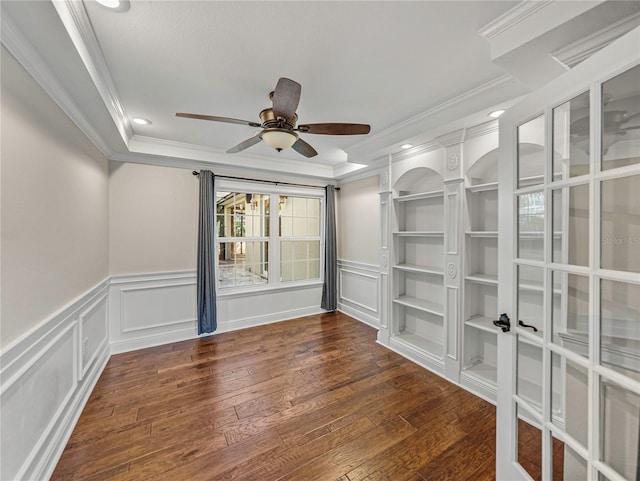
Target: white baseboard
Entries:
(359, 315)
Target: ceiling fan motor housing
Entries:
(269, 119)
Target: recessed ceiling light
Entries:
(141, 121)
(496, 113)
(109, 3)
(117, 5)
(406, 146)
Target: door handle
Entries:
(503, 323)
(522, 324)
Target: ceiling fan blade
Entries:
(304, 148)
(245, 144)
(335, 129)
(218, 119)
(286, 97)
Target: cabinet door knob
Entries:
(503, 323)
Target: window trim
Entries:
(273, 190)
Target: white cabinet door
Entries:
(569, 275)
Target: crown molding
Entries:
(455, 101)
(417, 150)
(366, 172)
(576, 52)
(452, 138)
(219, 169)
(76, 21)
(26, 55)
(512, 17)
(482, 129)
(183, 152)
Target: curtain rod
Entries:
(195, 172)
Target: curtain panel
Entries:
(206, 274)
(330, 286)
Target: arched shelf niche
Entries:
(484, 170)
(418, 180)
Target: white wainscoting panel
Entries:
(359, 290)
(239, 311)
(151, 309)
(43, 390)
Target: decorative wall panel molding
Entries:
(151, 309)
(359, 291)
(45, 384)
(48, 374)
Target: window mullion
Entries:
(274, 241)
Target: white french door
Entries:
(569, 275)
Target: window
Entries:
(299, 219)
(258, 247)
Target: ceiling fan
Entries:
(278, 123)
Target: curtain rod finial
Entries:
(195, 172)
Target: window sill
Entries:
(230, 293)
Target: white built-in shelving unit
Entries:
(418, 271)
(479, 364)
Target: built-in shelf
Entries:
(420, 304)
(420, 342)
(491, 280)
(482, 323)
(418, 233)
(536, 287)
(482, 233)
(487, 373)
(480, 281)
(483, 187)
(537, 235)
(420, 196)
(421, 269)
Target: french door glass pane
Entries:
(574, 467)
(621, 120)
(530, 297)
(529, 446)
(620, 224)
(570, 384)
(571, 138)
(620, 415)
(570, 314)
(571, 225)
(620, 326)
(529, 380)
(531, 226)
(531, 158)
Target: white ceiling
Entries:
(390, 64)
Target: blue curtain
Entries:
(206, 282)
(330, 286)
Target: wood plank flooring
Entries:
(309, 399)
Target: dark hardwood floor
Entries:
(309, 399)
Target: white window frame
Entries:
(274, 191)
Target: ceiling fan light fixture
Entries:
(278, 139)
